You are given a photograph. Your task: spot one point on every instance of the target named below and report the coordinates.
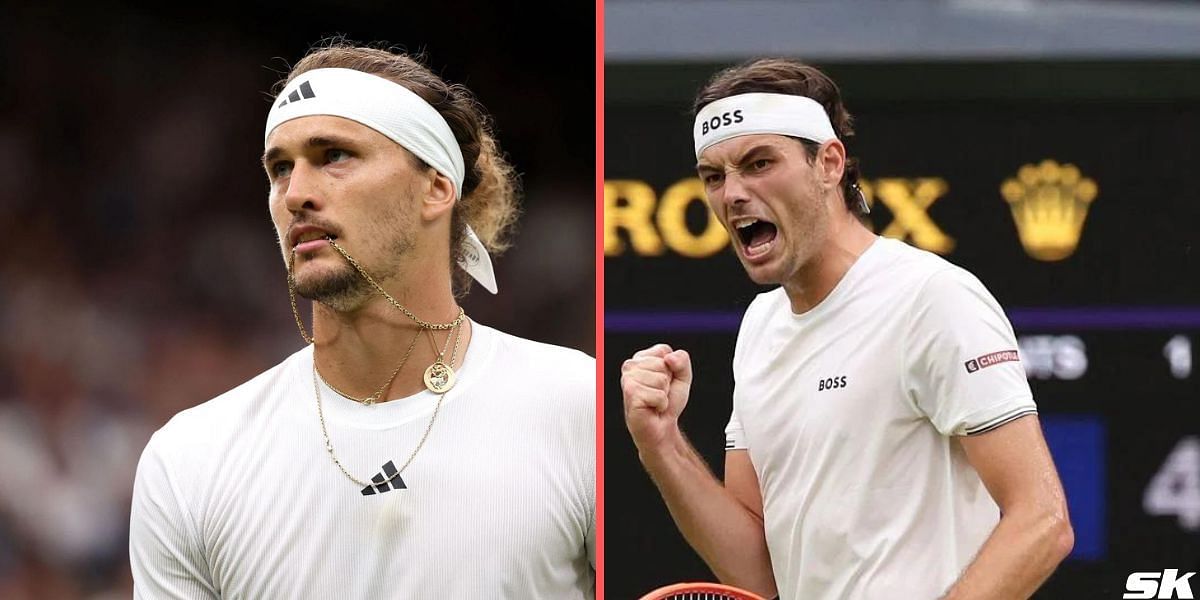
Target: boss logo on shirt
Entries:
(988, 360)
(831, 383)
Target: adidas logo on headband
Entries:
(304, 91)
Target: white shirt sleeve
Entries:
(962, 368)
(164, 553)
(735, 438)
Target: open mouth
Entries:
(755, 235)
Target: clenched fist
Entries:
(655, 383)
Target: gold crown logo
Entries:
(1049, 204)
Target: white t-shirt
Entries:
(238, 498)
(848, 413)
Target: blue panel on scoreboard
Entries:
(1078, 444)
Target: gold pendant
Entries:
(439, 377)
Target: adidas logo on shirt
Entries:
(303, 92)
(384, 479)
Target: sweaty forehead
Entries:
(733, 149)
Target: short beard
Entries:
(343, 290)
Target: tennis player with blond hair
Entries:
(883, 441)
(406, 451)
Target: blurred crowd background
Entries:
(141, 275)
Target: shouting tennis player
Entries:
(884, 442)
(407, 451)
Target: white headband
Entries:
(396, 112)
(747, 114)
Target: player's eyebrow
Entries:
(754, 153)
(745, 157)
(316, 141)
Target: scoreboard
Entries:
(1080, 214)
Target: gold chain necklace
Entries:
(421, 443)
(378, 395)
(439, 377)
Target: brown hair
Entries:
(490, 185)
(787, 76)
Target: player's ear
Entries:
(437, 196)
(831, 163)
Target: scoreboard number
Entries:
(1053, 356)
(1178, 353)
(1175, 489)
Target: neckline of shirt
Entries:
(399, 411)
(848, 278)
